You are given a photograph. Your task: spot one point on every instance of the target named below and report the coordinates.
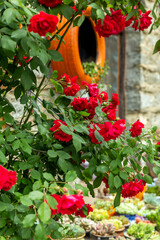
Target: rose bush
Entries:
(41, 154)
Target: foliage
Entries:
(44, 165)
(71, 231)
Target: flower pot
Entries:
(107, 237)
(76, 238)
(120, 232)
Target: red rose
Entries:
(74, 8)
(107, 28)
(71, 90)
(80, 211)
(92, 131)
(118, 128)
(50, 3)
(42, 23)
(136, 128)
(58, 133)
(115, 99)
(119, 18)
(92, 104)
(131, 189)
(145, 21)
(112, 25)
(106, 131)
(12, 179)
(71, 203)
(104, 96)
(105, 180)
(158, 143)
(93, 90)
(111, 115)
(58, 199)
(79, 103)
(3, 176)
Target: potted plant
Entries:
(72, 232)
(103, 231)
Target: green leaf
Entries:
(148, 179)
(145, 170)
(70, 176)
(67, 1)
(2, 222)
(16, 144)
(52, 153)
(58, 86)
(44, 212)
(26, 79)
(117, 181)
(25, 146)
(123, 175)
(62, 164)
(2, 206)
(97, 182)
(98, 136)
(52, 202)
(40, 233)
(76, 143)
(8, 43)
(117, 199)
(29, 220)
(48, 176)
(83, 113)
(37, 185)
(67, 11)
(131, 14)
(3, 159)
(8, 118)
(100, 14)
(26, 201)
(35, 174)
(65, 129)
(157, 47)
(102, 168)
(36, 195)
(56, 56)
(84, 189)
(81, 20)
(20, 33)
(63, 155)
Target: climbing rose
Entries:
(104, 96)
(68, 204)
(92, 133)
(80, 213)
(50, 3)
(115, 99)
(106, 131)
(42, 23)
(92, 104)
(118, 128)
(145, 21)
(7, 178)
(79, 103)
(67, 80)
(112, 25)
(71, 90)
(93, 90)
(111, 115)
(58, 133)
(12, 179)
(131, 189)
(136, 128)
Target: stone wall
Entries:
(143, 76)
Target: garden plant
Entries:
(43, 153)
